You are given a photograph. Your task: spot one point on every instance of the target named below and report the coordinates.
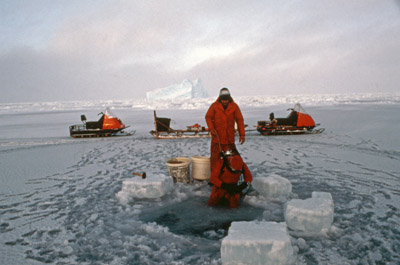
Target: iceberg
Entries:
(186, 90)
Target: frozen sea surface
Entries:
(58, 199)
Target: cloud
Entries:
(125, 48)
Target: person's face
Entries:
(224, 102)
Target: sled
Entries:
(108, 125)
(164, 131)
(297, 122)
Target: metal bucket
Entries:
(201, 168)
(179, 169)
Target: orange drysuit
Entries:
(221, 196)
(223, 122)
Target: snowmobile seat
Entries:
(289, 120)
(95, 124)
(92, 125)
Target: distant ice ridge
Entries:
(202, 103)
(186, 90)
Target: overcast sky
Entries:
(92, 49)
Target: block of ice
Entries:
(310, 216)
(186, 90)
(154, 186)
(273, 186)
(257, 243)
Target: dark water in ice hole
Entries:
(181, 218)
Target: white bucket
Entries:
(201, 168)
(179, 169)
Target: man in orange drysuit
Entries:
(221, 118)
(225, 176)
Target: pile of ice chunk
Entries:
(257, 243)
(273, 186)
(310, 216)
(153, 186)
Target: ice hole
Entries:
(194, 217)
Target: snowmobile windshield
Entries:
(109, 113)
(297, 107)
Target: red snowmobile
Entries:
(297, 122)
(107, 125)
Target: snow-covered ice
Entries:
(153, 186)
(257, 243)
(273, 186)
(186, 90)
(58, 195)
(310, 216)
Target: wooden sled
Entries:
(164, 131)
